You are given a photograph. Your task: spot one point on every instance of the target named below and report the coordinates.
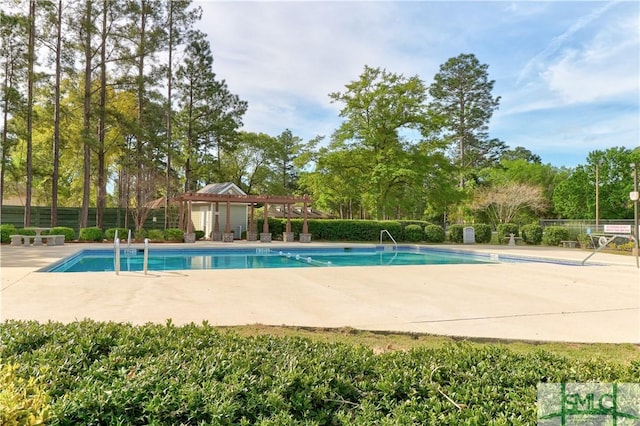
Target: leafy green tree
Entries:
(287, 148)
(378, 109)
(180, 19)
(13, 62)
(209, 114)
(520, 153)
(337, 182)
(574, 198)
(462, 101)
(520, 170)
(31, 62)
(246, 163)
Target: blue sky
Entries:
(568, 73)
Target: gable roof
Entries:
(222, 188)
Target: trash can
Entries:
(468, 235)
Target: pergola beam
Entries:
(288, 200)
(271, 199)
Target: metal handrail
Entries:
(384, 231)
(602, 242)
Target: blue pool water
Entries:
(248, 258)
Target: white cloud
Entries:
(557, 42)
(604, 68)
(552, 61)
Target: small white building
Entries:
(223, 211)
(203, 213)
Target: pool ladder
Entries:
(384, 231)
(116, 253)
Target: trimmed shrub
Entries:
(505, 230)
(140, 234)
(22, 401)
(156, 235)
(554, 234)
(455, 233)
(434, 234)
(199, 234)
(27, 231)
(585, 241)
(531, 233)
(482, 232)
(123, 233)
(413, 233)
(69, 233)
(6, 231)
(109, 373)
(91, 234)
(173, 234)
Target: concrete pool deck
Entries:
(525, 301)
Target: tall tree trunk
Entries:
(56, 121)
(8, 81)
(102, 183)
(86, 187)
(31, 77)
(169, 119)
(140, 127)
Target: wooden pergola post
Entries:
(181, 224)
(288, 236)
(252, 235)
(189, 236)
(227, 237)
(305, 236)
(265, 235)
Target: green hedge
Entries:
(173, 234)
(434, 233)
(27, 231)
(108, 373)
(337, 229)
(110, 234)
(531, 233)
(456, 233)
(482, 233)
(413, 233)
(5, 233)
(554, 234)
(504, 231)
(69, 233)
(90, 234)
(156, 235)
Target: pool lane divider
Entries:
(305, 259)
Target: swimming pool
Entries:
(171, 259)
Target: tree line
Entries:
(116, 103)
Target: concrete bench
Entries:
(52, 240)
(569, 244)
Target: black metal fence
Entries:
(584, 226)
(70, 217)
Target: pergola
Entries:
(189, 197)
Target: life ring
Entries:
(602, 241)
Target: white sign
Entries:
(617, 229)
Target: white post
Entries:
(116, 256)
(145, 260)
